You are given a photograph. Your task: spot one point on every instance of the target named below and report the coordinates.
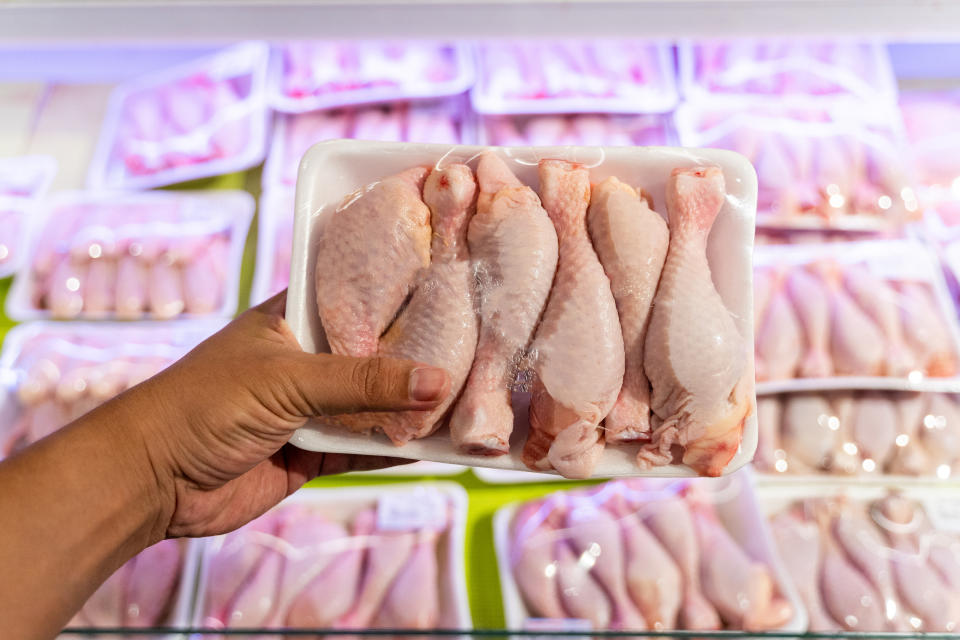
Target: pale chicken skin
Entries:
(694, 355)
(513, 247)
(370, 252)
(579, 357)
(439, 324)
(631, 241)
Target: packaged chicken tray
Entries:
(132, 256)
(306, 76)
(857, 315)
(577, 129)
(869, 559)
(902, 437)
(504, 306)
(819, 168)
(154, 589)
(610, 76)
(434, 121)
(204, 118)
(52, 373)
(23, 179)
(800, 71)
(385, 557)
(642, 554)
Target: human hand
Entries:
(224, 413)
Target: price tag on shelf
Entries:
(944, 513)
(420, 508)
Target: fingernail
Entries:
(426, 383)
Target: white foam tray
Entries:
(235, 208)
(889, 259)
(334, 169)
(247, 59)
(342, 504)
(38, 172)
(738, 510)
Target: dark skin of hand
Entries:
(198, 450)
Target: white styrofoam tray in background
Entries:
(462, 79)
(247, 59)
(888, 259)
(234, 208)
(332, 170)
(23, 180)
(343, 503)
(275, 211)
(658, 95)
(737, 508)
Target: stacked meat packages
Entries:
(868, 561)
(59, 372)
(641, 555)
(584, 290)
(384, 558)
(23, 180)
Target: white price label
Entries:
(421, 508)
(548, 625)
(944, 513)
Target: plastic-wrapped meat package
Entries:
(432, 121)
(859, 433)
(801, 71)
(59, 372)
(389, 557)
(577, 129)
(307, 76)
(868, 561)
(641, 555)
(877, 313)
(549, 302)
(817, 168)
(23, 179)
(154, 255)
(153, 589)
(931, 120)
(204, 118)
(611, 76)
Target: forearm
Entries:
(74, 507)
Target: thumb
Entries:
(329, 384)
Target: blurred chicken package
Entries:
(385, 557)
(591, 305)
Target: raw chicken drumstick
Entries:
(631, 241)
(694, 356)
(513, 247)
(370, 252)
(579, 346)
(439, 324)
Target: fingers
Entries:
(329, 384)
(335, 463)
(275, 306)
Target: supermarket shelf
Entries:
(227, 20)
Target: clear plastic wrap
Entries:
(100, 255)
(204, 118)
(817, 167)
(152, 590)
(339, 237)
(932, 123)
(306, 76)
(866, 434)
(584, 129)
(23, 179)
(864, 559)
(639, 555)
(433, 121)
(612, 76)
(52, 373)
(801, 71)
(386, 557)
(857, 315)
